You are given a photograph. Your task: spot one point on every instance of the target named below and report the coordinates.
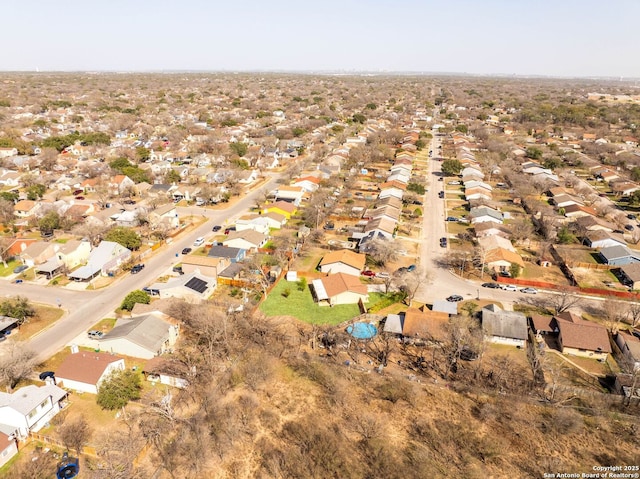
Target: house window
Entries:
(44, 404)
(32, 414)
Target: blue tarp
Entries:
(362, 330)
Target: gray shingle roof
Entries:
(505, 324)
(148, 331)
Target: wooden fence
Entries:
(572, 289)
(48, 440)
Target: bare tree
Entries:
(410, 283)
(564, 300)
(75, 434)
(613, 314)
(382, 251)
(16, 363)
(633, 311)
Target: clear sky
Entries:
(539, 37)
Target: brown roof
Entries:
(583, 335)
(425, 323)
(24, 205)
(85, 367)
(542, 323)
(335, 284)
(348, 257)
(501, 254)
(282, 205)
(389, 201)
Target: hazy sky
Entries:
(560, 37)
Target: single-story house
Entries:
(630, 275)
(489, 228)
(143, 336)
(504, 327)
(424, 324)
(8, 445)
(343, 261)
(339, 288)
(207, 265)
(444, 306)
(26, 208)
(624, 188)
(84, 371)
(291, 194)
(38, 253)
(29, 408)
(593, 223)
(577, 211)
(282, 207)
(234, 255)
(249, 240)
(543, 325)
(488, 243)
(393, 324)
(164, 215)
(619, 255)
(602, 239)
(105, 258)
(194, 287)
(501, 259)
(482, 214)
(578, 337)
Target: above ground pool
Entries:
(362, 330)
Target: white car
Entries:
(509, 287)
(383, 275)
(198, 241)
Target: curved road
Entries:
(85, 308)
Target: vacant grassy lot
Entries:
(10, 267)
(300, 304)
(45, 316)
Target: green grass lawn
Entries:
(300, 305)
(10, 266)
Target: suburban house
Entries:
(619, 255)
(477, 194)
(234, 255)
(84, 371)
(577, 211)
(482, 214)
(166, 371)
(25, 208)
(119, 184)
(343, 261)
(578, 337)
(249, 240)
(629, 346)
(281, 207)
(501, 259)
(10, 178)
(624, 188)
(207, 265)
(143, 337)
(504, 327)
(29, 409)
(489, 228)
(488, 243)
(260, 223)
(38, 253)
(339, 288)
(291, 194)
(630, 275)
(543, 325)
(307, 183)
(165, 215)
(592, 223)
(424, 324)
(105, 258)
(444, 306)
(381, 226)
(193, 287)
(597, 239)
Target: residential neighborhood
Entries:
(206, 258)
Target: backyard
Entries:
(300, 305)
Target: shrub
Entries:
(286, 292)
(302, 284)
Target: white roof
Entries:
(318, 287)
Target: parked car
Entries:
(18, 281)
(509, 287)
(229, 230)
(453, 183)
(137, 268)
(129, 202)
(468, 355)
(505, 274)
(198, 242)
(216, 228)
(329, 227)
(78, 192)
(368, 273)
(529, 290)
(186, 251)
(79, 197)
(20, 269)
(441, 194)
(451, 218)
(440, 179)
(443, 242)
(454, 298)
(95, 334)
(631, 216)
(411, 268)
(491, 285)
(628, 227)
(383, 275)
(177, 269)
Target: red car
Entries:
(369, 273)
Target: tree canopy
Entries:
(451, 167)
(124, 236)
(120, 387)
(137, 296)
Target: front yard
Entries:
(300, 304)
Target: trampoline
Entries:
(362, 330)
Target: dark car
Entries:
(77, 192)
(177, 269)
(416, 202)
(216, 228)
(137, 268)
(411, 268)
(229, 230)
(451, 218)
(491, 285)
(329, 227)
(79, 197)
(369, 273)
(186, 251)
(631, 216)
(95, 334)
(454, 298)
(628, 227)
(441, 194)
(468, 355)
(129, 202)
(443, 242)
(20, 269)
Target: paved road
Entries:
(85, 308)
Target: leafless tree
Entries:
(16, 363)
(613, 313)
(382, 251)
(633, 312)
(75, 434)
(564, 300)
(6, 211)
